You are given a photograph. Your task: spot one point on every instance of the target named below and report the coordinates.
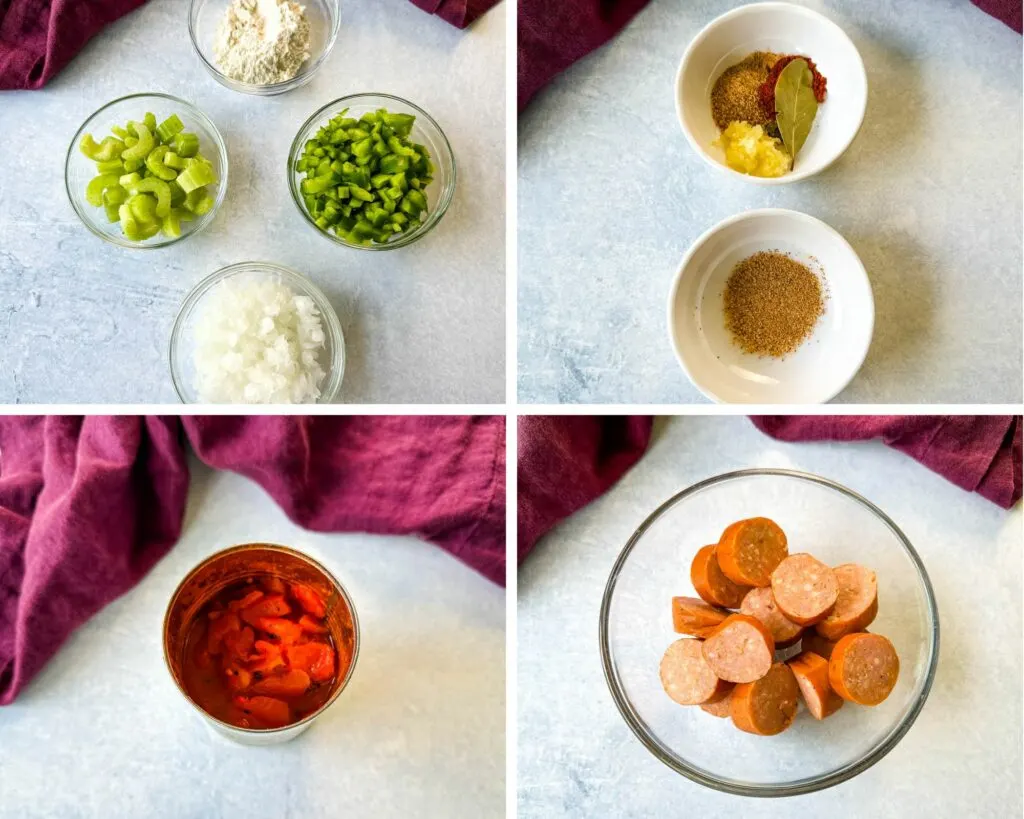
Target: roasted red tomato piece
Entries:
(309, 600)
(273, 713)
(273, 605)
(290, 684)
(316, 659)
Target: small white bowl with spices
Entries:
(263, 47)
(780, 29)
(771, 307)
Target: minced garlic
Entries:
(748, 149)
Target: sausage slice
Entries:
(805, 589)
(695, 617)
(686, 676)
(713, 586)
(722, 708)
(811, 672)
(863, 668)
(760, 603)
(766, 706)
(812, 641)
(740, 650)
(857, 603)
(749, 551)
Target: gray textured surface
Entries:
(929, 195)
(578, 758)
(84, 321)
(420, 731)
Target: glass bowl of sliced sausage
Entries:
(769, 633)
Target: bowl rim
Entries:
(295, 278)
(792, 176)
(277, 547)
(434, 217)
(736, 218)
(201, 223)
(800, 786)
(270, 89)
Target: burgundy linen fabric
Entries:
(87, 506)
(553, 34)
(567, 461)
(39, 37)
(459, 13)
(979, 453)
(1006, 11)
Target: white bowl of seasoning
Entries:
(827, 359)
(784, 29)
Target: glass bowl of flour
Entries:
(263, 47)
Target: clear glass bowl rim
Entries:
(271, 88)
(799, 786)
(222, 187)
(307, 285)
(316, 564)
(433, 219)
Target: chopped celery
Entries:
(160, 189)
(196, 175)
(186, 144)
(110, 166)
(115, 195)
(360, 176)
(120, 132)
(169, 127)
(171, 224)
(155, 163)
(145, 144)
(172, 160)
(198, 202)
(150, 121)
(95, 189)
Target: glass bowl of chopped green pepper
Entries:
(146, 171)
(371, 171)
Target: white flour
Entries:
(262, 41)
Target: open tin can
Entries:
(237, 565)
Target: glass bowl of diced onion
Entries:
(79, 170)
(190, 339)
(425, 131)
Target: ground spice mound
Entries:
(767, 91)
(772, 304)
(736, 95)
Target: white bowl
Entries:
(784, 29)
(823, 365)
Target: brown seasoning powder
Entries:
(772, 304)
(736, 96)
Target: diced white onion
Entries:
(257, 342)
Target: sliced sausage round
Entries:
(722, 708)
(805, 589)
(811, 672)
(766, 706)
(863, 668)
(857, 603)
(693, 616)
(759, 603)
(740, 650)
(686, 676)
(713, 586)
(749, 550)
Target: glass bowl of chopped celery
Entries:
(371, 171)
(257, 333)
(223, 31)
(146, 171)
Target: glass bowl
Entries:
(79, 170)
(229, 566)
(182, 366)
(821, 517)
(204, 18)
(425, 131)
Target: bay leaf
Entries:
(795, 105)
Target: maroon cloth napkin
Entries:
(979, 453)
(87, 506)
(567, 461)
(457, 12)
(39, 37)
(553, 34)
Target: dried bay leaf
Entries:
(795, 105)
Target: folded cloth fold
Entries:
(459, 13)
(39, 37)
(88, 505)
(979, 453)
(565, 462)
